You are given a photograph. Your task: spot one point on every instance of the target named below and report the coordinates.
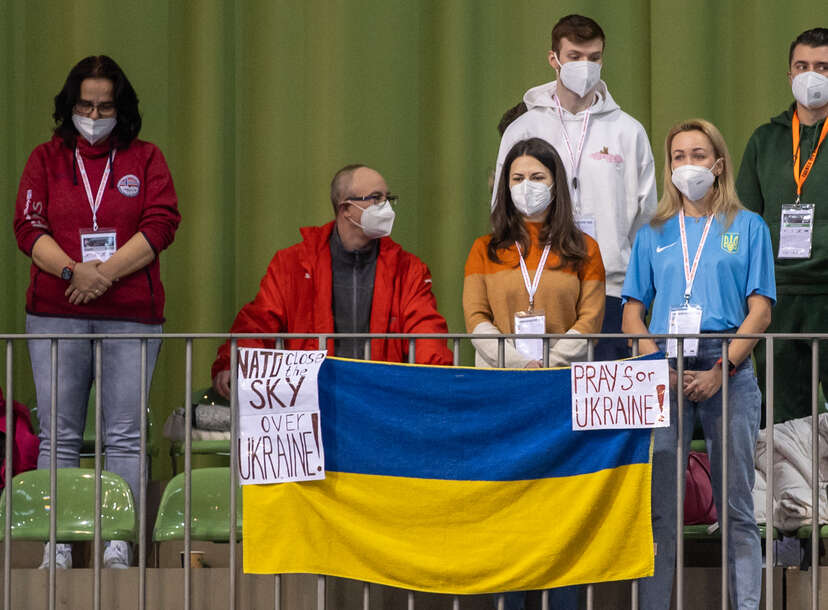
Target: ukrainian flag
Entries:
(457, 480)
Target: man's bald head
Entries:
(340, 183)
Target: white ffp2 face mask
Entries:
(693, 181)
(810, 89)
(531, 197)
(94, 130)
(377, 220)
(580, 77)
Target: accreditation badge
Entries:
(98, 245)
(531, 322)
(684, 320)
(796, 230)
(586, 223)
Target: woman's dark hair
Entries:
(559, 229)
(126, 100)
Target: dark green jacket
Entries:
(766, 182)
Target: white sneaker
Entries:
(117, 554)
(63, 556)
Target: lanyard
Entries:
(96, 203)
(533, 287)
(801, 176)
(690, 274)
(576, 156)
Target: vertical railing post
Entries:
(234, 466)
(142, 486)
(98, 471)
(320, 592)
(7, 556)
(679, 475)
(634, 595)
(277, 592)
(769, 423)
(53, 476)
(590, 588)
(412, 351)
(455, 352)
(188, 467)
(634, 584)
(815, 473)
(724, 518)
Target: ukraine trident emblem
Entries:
(730, 242)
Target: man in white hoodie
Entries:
(605, 151)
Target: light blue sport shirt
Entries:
(734, 264)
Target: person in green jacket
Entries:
(784, 177)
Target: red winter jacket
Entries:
(139, 198)
(295, 297)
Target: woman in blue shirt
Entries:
(704, 264)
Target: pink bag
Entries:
(699, 507)
(26, 443)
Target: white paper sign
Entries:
(620, 394)
(280, 432)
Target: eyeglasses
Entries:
(375, 199)
(85, 108)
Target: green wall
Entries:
(256, 104)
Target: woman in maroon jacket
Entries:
(95, 208)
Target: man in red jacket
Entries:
(347, 276)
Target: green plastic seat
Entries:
(207, 396)
(31, 506)
(699, 532)
(210, 510)
(804, 532)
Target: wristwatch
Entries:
(67, 272)
(731, 368)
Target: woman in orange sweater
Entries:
(533, 228)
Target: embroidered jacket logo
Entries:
(605, 155)
(730, 242)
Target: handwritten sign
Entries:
(280, 437)
(620, 394)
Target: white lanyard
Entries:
(576, 156)
(533, 287)
(690, 274)
(96, 203)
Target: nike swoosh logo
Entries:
(660, 249)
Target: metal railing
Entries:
(454, 340)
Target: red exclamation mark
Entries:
(315, 424)
(660, 388)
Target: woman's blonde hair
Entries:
(725, 203)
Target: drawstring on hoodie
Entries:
(111, 167)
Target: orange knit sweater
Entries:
(572, 300)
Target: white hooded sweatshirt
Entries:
(616, 177)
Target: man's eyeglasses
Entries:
(85, 108)
(374, 199)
